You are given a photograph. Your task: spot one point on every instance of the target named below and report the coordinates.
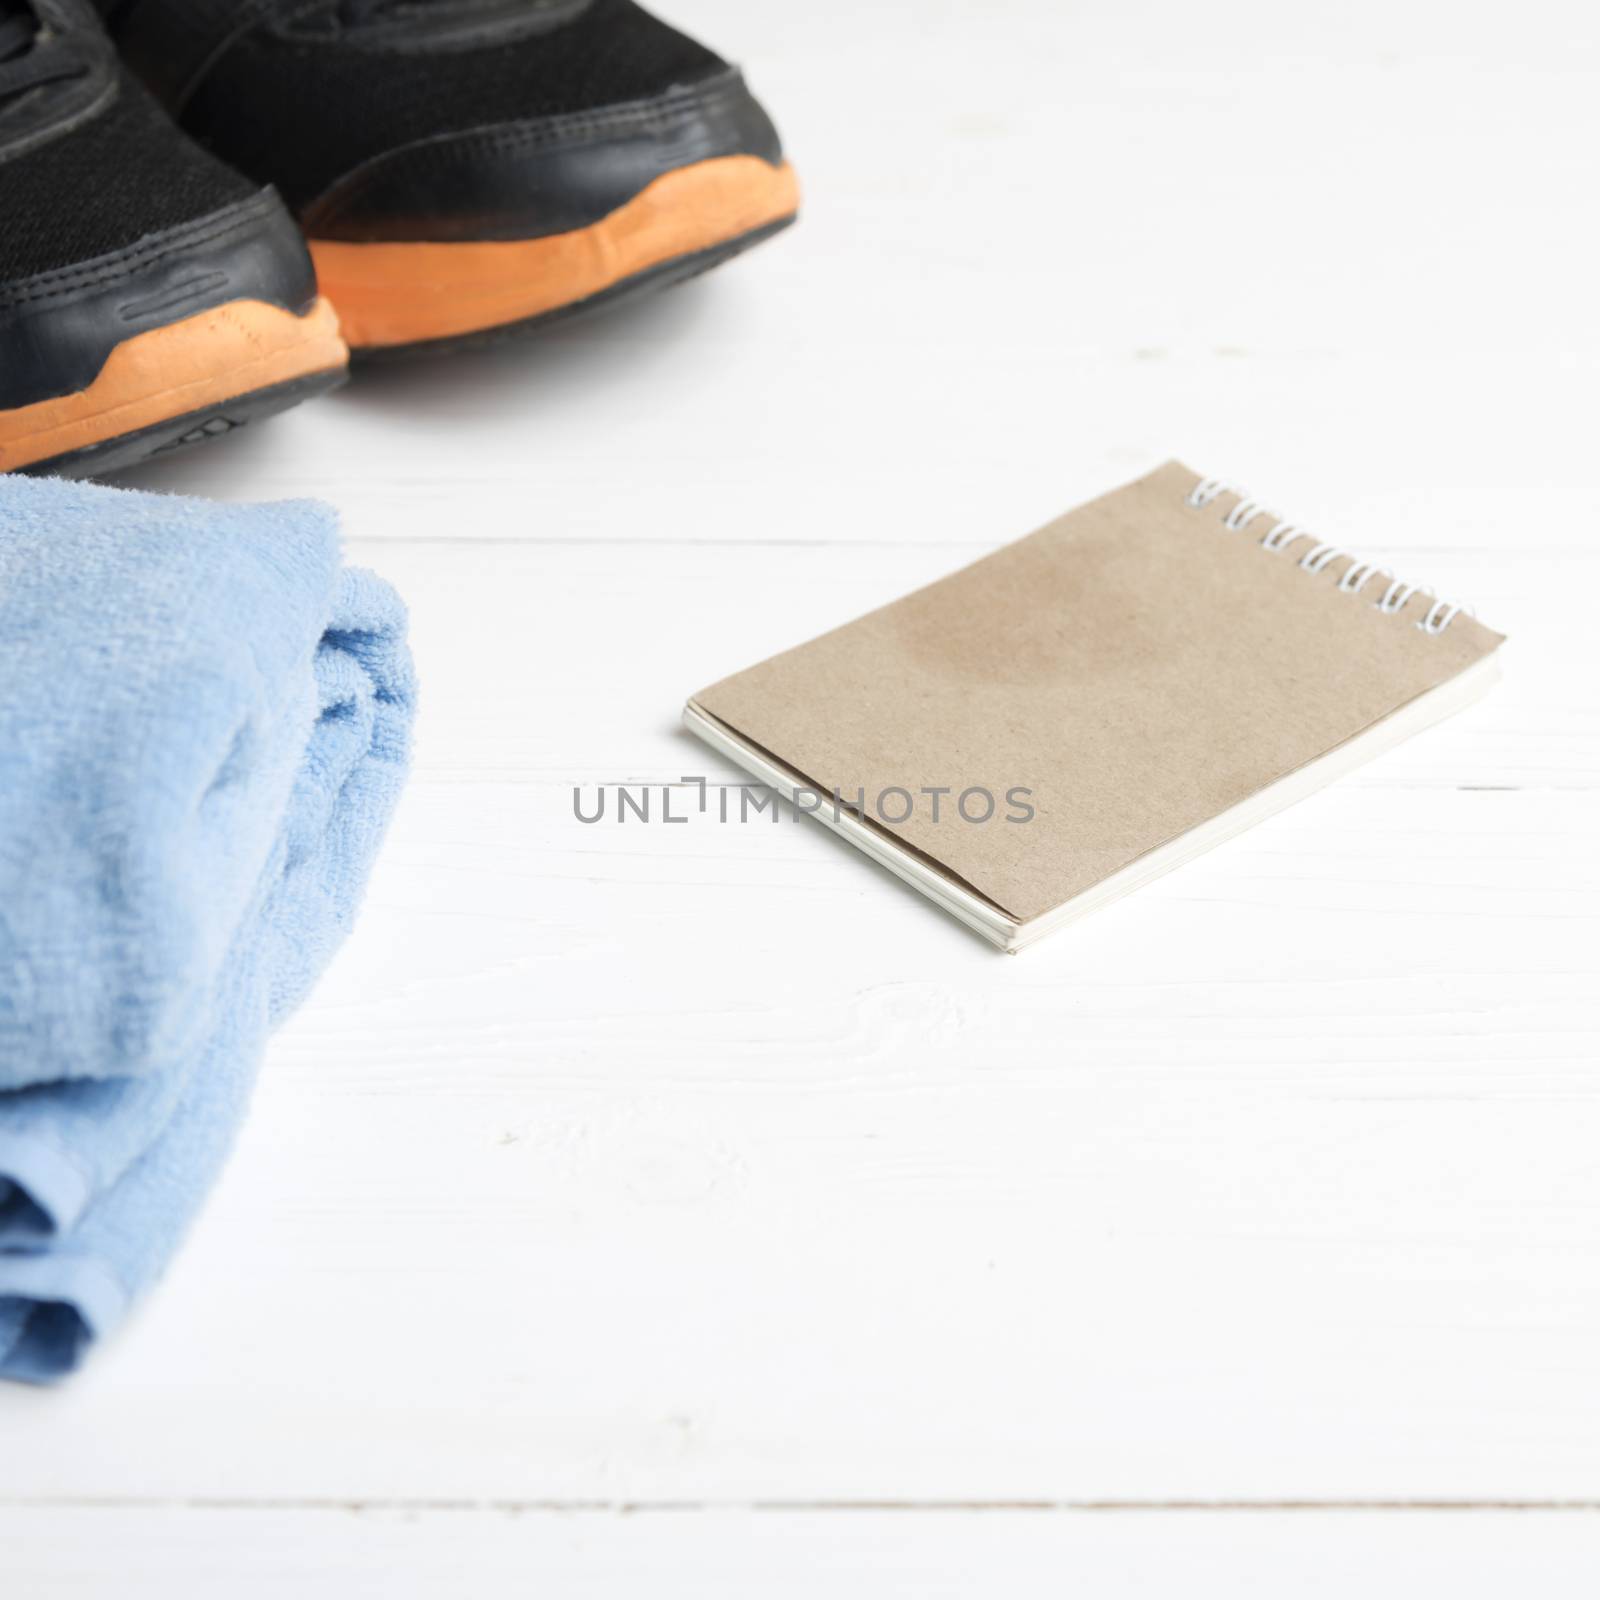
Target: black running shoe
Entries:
(470, 165)
(149, 297)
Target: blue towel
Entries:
(204, 725)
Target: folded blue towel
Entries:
(204, 725)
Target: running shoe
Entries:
(149, 296)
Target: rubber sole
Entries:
(433, 295)
(181, 433)
(638, 287)
(177, 385)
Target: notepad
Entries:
(1055, 725)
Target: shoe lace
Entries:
(31, 52)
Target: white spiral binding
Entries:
(1320, 556)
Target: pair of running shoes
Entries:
(207, 206)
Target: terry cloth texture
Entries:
(204, 725)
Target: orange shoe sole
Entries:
(177, 384)
(391, 295)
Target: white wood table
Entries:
(693, 1210)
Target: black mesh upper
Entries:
(302, 114)
(104, 184)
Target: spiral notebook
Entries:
(1047, 729)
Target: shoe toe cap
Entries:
(58, 329)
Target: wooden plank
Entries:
(380, 1554)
